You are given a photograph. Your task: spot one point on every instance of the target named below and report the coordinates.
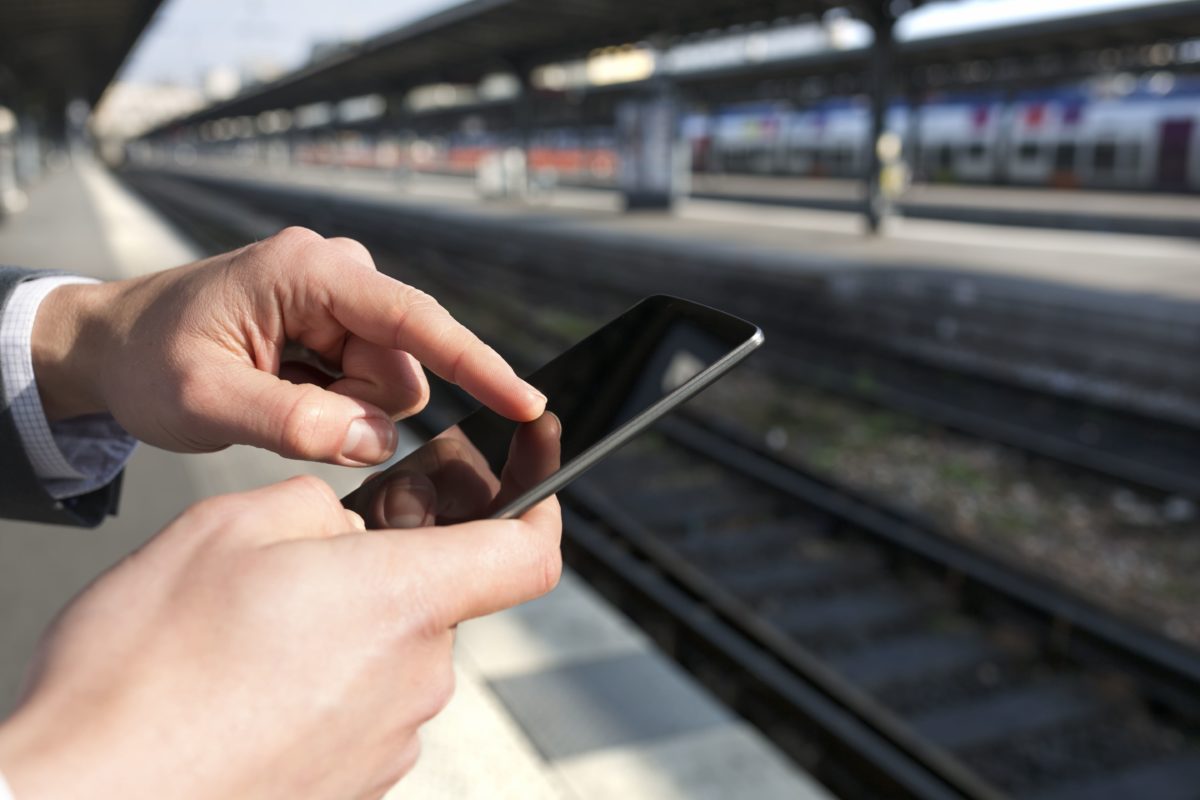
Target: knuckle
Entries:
(210, 508)
(418, 301)
(212, 515)
(415, 306)
(314, 490)
(419, 304)
(459, 354)
(415, 296)
(347, 245)
(296, 236)
(288, 251)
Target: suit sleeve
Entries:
(23, 495)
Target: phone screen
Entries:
(600, 393)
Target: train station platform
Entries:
(806, 238)
(560, 699)
(1150, 213)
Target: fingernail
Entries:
(369, 440)
(537, 396)
(408, 505)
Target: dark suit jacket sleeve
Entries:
(21, 493)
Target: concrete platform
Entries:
(1152, 213)
(559, 699)
(817, 239)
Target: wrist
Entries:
(66, 348)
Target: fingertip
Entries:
(532, 405)
(537, 397)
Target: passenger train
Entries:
(1145, 136)
(1145, 139)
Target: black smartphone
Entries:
(601, 392)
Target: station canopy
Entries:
(469, 40)
(1138, 25)
(1005, 54)
(65, 49)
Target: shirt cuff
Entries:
(71, 457)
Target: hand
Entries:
(448, 480)
(263, 646)
(193, 359)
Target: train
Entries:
(1144, 138)
(1130, 133)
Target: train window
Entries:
(1104, 156)
(1064, 157)
(976, 151)
(1028, 151)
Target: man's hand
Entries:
(261, 646)
(193, 359)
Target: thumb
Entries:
(299, 421)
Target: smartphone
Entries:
(601, 392)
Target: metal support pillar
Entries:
(650, 173)
(518, 172)
(882, 22)
(913, 144)
(402, 137)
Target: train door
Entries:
(1175, 137)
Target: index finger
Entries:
(391, 314)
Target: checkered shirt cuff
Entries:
(71, 457)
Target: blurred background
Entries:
(939, 538)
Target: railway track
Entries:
(964, 677)
(886, 657)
